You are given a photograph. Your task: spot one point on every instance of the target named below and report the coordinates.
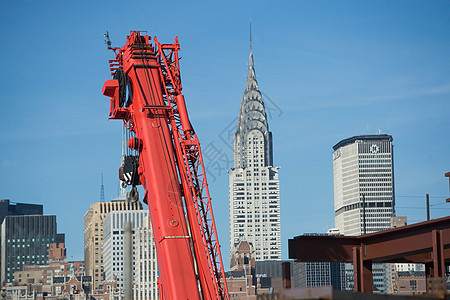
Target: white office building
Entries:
(146, 267)
(254, 194)
(363, 172)
(143, 257)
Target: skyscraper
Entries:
(363, 173)
(93, 235)
(363, 170)
(26, 241)
(254, 195)
(17, 209)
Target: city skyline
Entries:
(327, 72)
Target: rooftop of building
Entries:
(375, 137)
(62, 279)
(235, 274)
(411, 273)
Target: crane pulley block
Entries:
(129, 171)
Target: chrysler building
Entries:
(254, 194)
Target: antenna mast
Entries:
(250, 34)
(102, 191)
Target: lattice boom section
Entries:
(188, 147)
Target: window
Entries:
(413, 285)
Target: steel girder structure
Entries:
(426, 242)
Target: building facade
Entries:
(363, 173)
(241, 279)
(93, 235)
(411, 282)
(254, 189)
(315, 274)
(57, 267)
(60, 279)
(25, 240)
(17, 209)
(74, 288)
(146, 264)
(113, 248)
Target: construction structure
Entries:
(426, 242)
(164, 155)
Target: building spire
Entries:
(250, 35)
(252, 116)
(251, 70)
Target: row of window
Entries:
(257, 216)
(375, 156)
(378, 179)
(378, 222)
(371, 169)
(374, 161)
(379, 189)
(369, 184)
(359, 205)
(249, 189)
(28, 246)
(255, 183)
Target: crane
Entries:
(145, 93)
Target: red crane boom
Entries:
(146, 94)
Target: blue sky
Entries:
(331, 69)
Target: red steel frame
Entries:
(171, 169)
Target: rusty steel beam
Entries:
(426, 242)
(394, 245)
(448, 175)
(286, 269)
(362, 271)
(326, 248)
(398, 247)
(438, 253)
